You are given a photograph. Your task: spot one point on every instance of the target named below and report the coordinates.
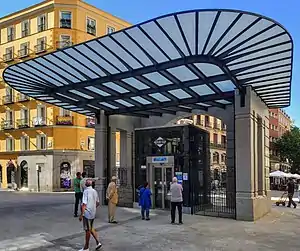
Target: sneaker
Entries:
(180, 223)
(143, 218)
(84, 249)
(99, 246)
(148, 219)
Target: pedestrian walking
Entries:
(112, 197)
(90, 202)
(78, 193)
(83, 181)
(176, 200)
(291, 191)
(145, 201)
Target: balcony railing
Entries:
(8, 57)
(90, 122)
(23, 52)
(64, 120)
(218, 146)
(25, 32)
(23, 123)
(22, 98)
(63, 44)
(41, 27)
(39, 121)
(217, 126)
(65, 23)
(208, 124)
(91, 30)
(9, 99)
(39, 48)
(7, 125)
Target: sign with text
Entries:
(162, 159)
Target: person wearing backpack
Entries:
(145, 201)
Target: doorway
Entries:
(161, 176)
(24, 174)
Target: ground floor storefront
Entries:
(45, 171)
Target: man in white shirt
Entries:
(176, 200)
(90, 202)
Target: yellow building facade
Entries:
(43, 146)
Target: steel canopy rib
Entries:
(260, 55)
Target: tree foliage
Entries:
(288, 147)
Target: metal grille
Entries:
(121, 174)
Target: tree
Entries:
(288, 147)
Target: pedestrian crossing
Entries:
(26, 243)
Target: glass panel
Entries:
(94, 107)
(136, 83)
(141, 100)
(202, 90)
(141, 39)
(203, 104)
(70, 106)
(280, 75)
(98, 91)
(168, 181)
(65, 96)
(261, 73)
(158, 187)
(132, 47)
(225, 86)
(206, 20)
(115, 87)
(80, 94)
(54, 101)
(209, 69)
(157, 78)
(223, 101)
(157, 35)
(159, 97)
(123, 102)
(287, 85)
(188, 24)
(108, 105)
(224, 21)
(109, 43)
(182, 73)
(179, 93)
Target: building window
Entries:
(10, 144)
(41, 142)
(91, 143)
(65, 175)
(41, 45)
(25, 28)
(110, 30)
(64, 112)
(42, 23)
(24, 50)
(9, 54)
(10, 33)
(65, 41)
(91, 26)
(25, 143)
(66, 19)
(216, 157)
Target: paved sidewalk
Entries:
(277, 231)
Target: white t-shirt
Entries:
(90, 199)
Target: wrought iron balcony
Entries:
(22, 98)
(91, 30)
(23, 53)
(90, 122)
(25, 32)
(41, 27)
(65, 23)
(7, 125)
(39, 48)
(39, 121)
(218, 146)
(63, 44)
(9, 99)
(64, 120)
(23, 123)
(8, 57)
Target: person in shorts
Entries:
(90, 202)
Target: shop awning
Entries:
(178, 62)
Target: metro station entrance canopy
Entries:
(178, 62)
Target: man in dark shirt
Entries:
(291, 190)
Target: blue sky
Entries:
(135, 11)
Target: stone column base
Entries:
(252, 208)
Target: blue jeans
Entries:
(143, 209)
